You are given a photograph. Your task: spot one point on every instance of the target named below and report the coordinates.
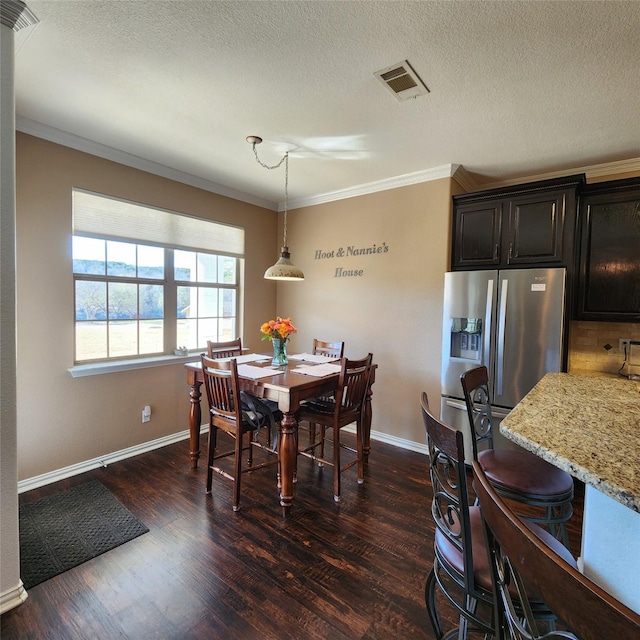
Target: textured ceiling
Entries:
(517, 89)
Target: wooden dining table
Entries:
(289, 389)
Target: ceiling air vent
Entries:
(402, 81)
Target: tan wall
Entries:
(394, 309)
(64, 420)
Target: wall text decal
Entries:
(349, 251)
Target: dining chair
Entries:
(224, 349)
(521, 557)
(336, 413)
(545, 491)
(266, 408)
(331, 349)
(335, 349)
(243, 425)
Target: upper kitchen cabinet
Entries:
(530, 224)
(609, 231)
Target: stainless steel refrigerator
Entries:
(511, 321)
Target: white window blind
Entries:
(104, 216)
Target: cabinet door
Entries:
(535, 229)
(476, 235)
(609, 279)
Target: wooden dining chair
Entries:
(267, 408)
(519, 557)
(224, 349)
(336, 413)
(461, 570)
(243, 425)
(334, 349)
(330, 349)
(545, 491)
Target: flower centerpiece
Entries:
(278, 331)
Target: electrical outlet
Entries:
(146, 414)
(623, 346)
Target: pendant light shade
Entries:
(282, 270)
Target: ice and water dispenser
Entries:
(466, 338)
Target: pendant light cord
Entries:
(285, 159)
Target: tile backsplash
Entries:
(587, 342)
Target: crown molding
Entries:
(16, 15)
(464, 179)
(612, 168)
(455, 171)
(46, 132)
(591, 171)
(445, 171)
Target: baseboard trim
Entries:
(396, 442)
(11, 598)
(103, 461)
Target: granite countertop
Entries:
(586, 425)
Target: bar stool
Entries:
(522, 560)
(517, 475)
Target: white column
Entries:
(13, 15)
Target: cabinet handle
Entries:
(495, 252)
(510, 250)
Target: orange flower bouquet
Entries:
(279, 329)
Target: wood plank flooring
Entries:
(354, 570)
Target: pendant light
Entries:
(282, 270)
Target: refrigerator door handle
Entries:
(488, 312)
(502, 322)
(456, 404)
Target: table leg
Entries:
(195, 419)
(366, 424)
(287, 452)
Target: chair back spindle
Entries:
(332, 349)
(227, 349)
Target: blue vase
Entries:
(279, 352)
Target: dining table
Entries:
(289, 387)
(589, 426)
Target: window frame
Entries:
(170, 287)
(92, 219)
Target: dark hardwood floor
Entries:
(354, 570)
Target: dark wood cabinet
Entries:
(609, 270)
(531, 224)
(477, 235)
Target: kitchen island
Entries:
(589, 426)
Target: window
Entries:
(206, 309)
(148, 295)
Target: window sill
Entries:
(100, 368)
